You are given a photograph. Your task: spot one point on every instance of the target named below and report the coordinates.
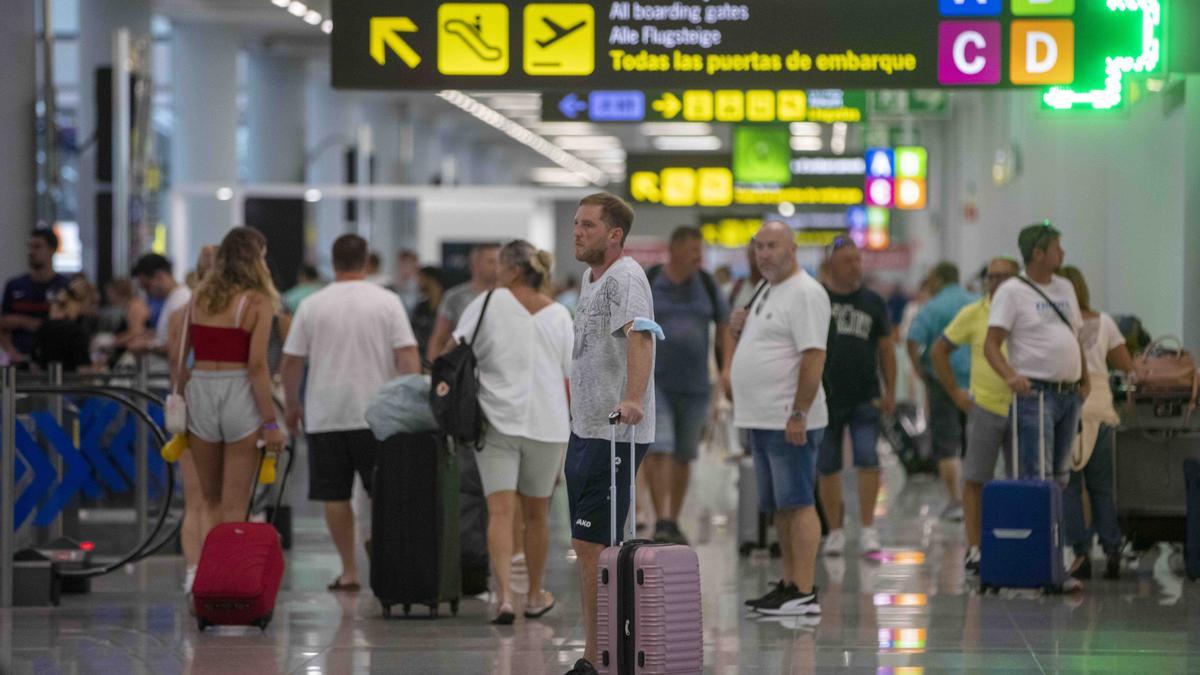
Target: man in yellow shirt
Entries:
(986, 404)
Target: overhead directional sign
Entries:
(698, 179)
(705, 105)
(1079, 46)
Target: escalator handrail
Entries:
(144, 548)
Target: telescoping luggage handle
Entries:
(613, 419)
(1015, 467)
(287, 471)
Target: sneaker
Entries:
(835, 542)
(1112, 565)
(1072, 585)
(676, 535)
(778, 588)
(807, 623)
(662, 532)
(792, 603)
(583, 667)
(953, 512)
(971, 562)
(868, 541)
(1081, 568)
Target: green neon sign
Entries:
(1109, 96)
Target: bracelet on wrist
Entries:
(270, 426)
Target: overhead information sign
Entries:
(754, 45)
(706, 105)
(697, 179)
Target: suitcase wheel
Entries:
(453, 608)
(1053, 590)
(264, 622)
(201, 624)
(387, 611)
(407, 608)
(776, 552)
(433, 611)
(986, 590)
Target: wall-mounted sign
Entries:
(870, 227)
(736, 232)
(706, 105)
(897, 177)
(761, 45)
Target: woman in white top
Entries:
(1092, 455)
(524, 352)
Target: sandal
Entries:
(505, 616)
(338, 586)
(536, 612)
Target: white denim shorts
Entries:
(221, 406)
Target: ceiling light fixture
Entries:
(687, 143)
(297, 9)
(524, 136)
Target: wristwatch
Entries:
(801, 414)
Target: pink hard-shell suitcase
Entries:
(648, 610)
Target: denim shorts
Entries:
(786, 473)
(863, 421)
(679, 423)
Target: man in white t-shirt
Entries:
(779, 398)
(354, 336)
(1038, 315)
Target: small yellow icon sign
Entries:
(668, 104)
(473, 39)
(643, 187)
(385, 32)
(560, 39)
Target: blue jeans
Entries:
(1097, 475)
(786, 473)
(1058, 425)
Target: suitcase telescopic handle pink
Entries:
(613, 419)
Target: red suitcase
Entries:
(648, 611)
(241, 566)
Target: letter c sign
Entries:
(969, 52)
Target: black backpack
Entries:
(454, 390)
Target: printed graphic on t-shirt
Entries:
(851, 321)
(593, 317)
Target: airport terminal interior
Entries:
(981, 219)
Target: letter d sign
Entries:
(969, 52)
(1043, 52)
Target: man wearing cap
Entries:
(1038, 315)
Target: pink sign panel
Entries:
(969, 52)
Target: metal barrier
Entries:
(70, 465)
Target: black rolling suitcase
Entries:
(414, 524)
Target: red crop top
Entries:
(222, 343)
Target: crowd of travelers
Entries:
(809, 363)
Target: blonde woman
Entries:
(228, 387)
(524, 346)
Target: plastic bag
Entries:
(401, 406)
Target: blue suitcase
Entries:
(1191, 477)
(1022, 544)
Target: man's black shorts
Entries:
(588, 477)
(333, 457)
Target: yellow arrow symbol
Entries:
(669, 105)
(643, 187)
(384, 31)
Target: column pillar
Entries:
(98, 19)
(17, 170)
(204, 147)
(275, 118)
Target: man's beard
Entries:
(591, 256)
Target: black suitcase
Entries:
(1191, 477)
(414, 524)
(473, 523)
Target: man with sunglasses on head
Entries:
(860, 348)
(777, 395)
(985, 404)
(1038, 315)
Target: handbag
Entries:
(1166, 370)
(175, 412)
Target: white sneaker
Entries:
(868, 541)
(835, 542)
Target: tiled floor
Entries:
(912, 612)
